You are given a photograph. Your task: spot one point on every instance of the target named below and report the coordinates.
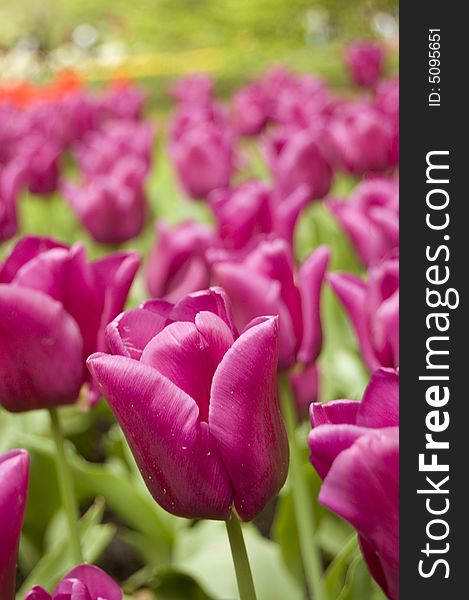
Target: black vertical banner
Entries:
(434, 398)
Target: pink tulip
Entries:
(40, 157)
(111, 207)
(370, 218)
(365, 62)
(373, 308)
(193, 89)
(177, 264)
(254, 208)
(14, 476)
(197, 404)
(203, 156)
(85, 582)
(54, 307)
(123, 101)
(262, 282)
(250, 110)
(364, 139)
(12, 177)
(355, 450)
(300, 158)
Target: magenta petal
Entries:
(352, 292)
(98, 583)
(38, 593)
(188, 355)
(245, 418)
(14, 475)
(289, 210)
(380, 404)
(328, 441)
(25, 250)
(305, 382)
(175, 452)
(311, 278)
(71, 589)
(131, 331)
(362, 487)
(45, 272)
(41, 362)
(334, 413)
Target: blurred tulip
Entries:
(300, 158)
(193, 90)
(254, 208)
(85, 582)
(355, 450)
(262, 282)
(364, 139)
(198, 406)
(12, 177)
(373, 308)
(111, 207)
(250, 110)
(40, 158)
(370, 218)
(14, 476)
(123, 101)
(54, 307)
(365, 62)
(203, 156)
(177, 264)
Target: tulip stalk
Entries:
(66, 486)
(303, 504)
(240, 559)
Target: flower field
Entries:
(199, 337)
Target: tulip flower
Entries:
(373, 308)
(355, 450)
(14, 475)
(203, 156)
(111, 207)
(177, 264)
(254, 208)
(123, 101)
(364, 139)
(40, 157)
(250, 110)
(300, 158)
(370, 218)
(193, 90)
(197, 404)
(85, 582)
(263, 282)
(54, 307)
(365, 62)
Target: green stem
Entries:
(240, 559)
(66, 486)
(302, 502)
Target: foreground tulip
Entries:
(263, 282)
(177, 264)
(54, 307)
(365, 62)
(85, 582)
(370, 218)
(197, 404)
(14, 475)
(254, 208)
(111, 207)
(300, 158)
(373, 308)
(355, 450)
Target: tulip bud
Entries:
(177, 264)
(373, 308)
(355, 450)
(85, 582)
(54, 307)
(197, 404)
(14, 475)
(365, 62)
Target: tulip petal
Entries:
(311, 277)
(130, 332)
(188, 355)
(25, 250)
(14, 474)
(38, 593)
(174, 450)
(328, 441)
(334, 413)
(41, 361)
(380, 404)
(98, 583)
(245, 418)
